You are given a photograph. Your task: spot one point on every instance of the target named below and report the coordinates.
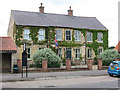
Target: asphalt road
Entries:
(32, 76)
(78, 82)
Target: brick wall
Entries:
(68, 64)
(44, 65)
(99, 64)
(89, 63)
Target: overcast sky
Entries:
(106, 11)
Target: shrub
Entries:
(95, 61)
(46, 53)
(108, 56)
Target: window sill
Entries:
(29, 59)
(68, 40)
(89, 41)
(27, 39)
(59, 40)
(100, 41)
(41, 40)
(77, 41)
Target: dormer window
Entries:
(41, 36)
(26, 34)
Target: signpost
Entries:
(24, 59)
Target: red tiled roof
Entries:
(118, 47)
(7, 44)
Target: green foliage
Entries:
(95, 61)
(68, 44)
(108, 56)
(34, 33)
(50, 37)
(64, 62)
(48, 54)
(112, 47)
(18, 34)
(83, 31)
(18, 31)
(95, 45)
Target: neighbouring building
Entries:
(79, 38)
(118, 47)
(8, 52)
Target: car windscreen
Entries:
(114, 65)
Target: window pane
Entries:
(68, 53)
(41, 34)
(28, 53)
(89, 36)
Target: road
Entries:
(77, 82)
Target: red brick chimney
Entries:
(41, 9)
(70, 12)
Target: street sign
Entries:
(24, 59)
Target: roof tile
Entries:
(7, 44)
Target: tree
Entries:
(108, 56)
(49, 55)
(112, 47)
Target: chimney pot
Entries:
(70, 12)
(41, 4)
(41, 9)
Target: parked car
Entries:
(114, 68)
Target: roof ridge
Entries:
(52, 14)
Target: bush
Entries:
(46, 53)
(95, 61)
(108, 56)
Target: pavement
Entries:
(9, 77)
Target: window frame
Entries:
(91, 37)
(41, 29)
(91, 53)
(66, 53)
(77, 36)
(77, 53)
(59, 34)
(60, 53)
(26, 34)
(70, 35)
(101, 34)
(98, 50)
(29, 53)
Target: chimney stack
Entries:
(41, 9)
(70, 12)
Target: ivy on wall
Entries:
(18, 35)
(95, 45)
(50, 37)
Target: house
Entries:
(79, 38)
(8, 52)
(118, 47)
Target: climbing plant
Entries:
(50, 38)
(18, 35)
(95, 45)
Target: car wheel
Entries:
(111, 74)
